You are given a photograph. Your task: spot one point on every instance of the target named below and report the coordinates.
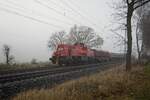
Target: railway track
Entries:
(39, 73)
(23, 70)
(14, 83)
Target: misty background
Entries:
(29, 32)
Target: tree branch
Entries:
(143, 3)
(127, 2)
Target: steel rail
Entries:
(43, 80)
(33, 74)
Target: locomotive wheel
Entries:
(60, 64)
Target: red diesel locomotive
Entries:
(78, 54)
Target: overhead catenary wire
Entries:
(56, 11)
(84, 17)
(77, 6)
(24, 9)
(29, 17)
(51, 1)
(53, 9)
(43, 4)
(65, 4)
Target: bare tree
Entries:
(57, 38)
(138, 33)
(82, 34)
(130, 6)
(139, 36)
(138, 44)
(34, 61)
(146, 33)
(6, 51)
(144, 14)
(86, 35)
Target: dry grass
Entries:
(113, 84)
(4, 67)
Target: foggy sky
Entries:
(28, 38)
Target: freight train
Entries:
(80, 54)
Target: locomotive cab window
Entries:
(60, 49)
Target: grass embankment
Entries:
(114, 84)
(4, 67)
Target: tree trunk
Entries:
(129, 36)
(138, 46)
(7, 58)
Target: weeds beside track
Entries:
(46, 78)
